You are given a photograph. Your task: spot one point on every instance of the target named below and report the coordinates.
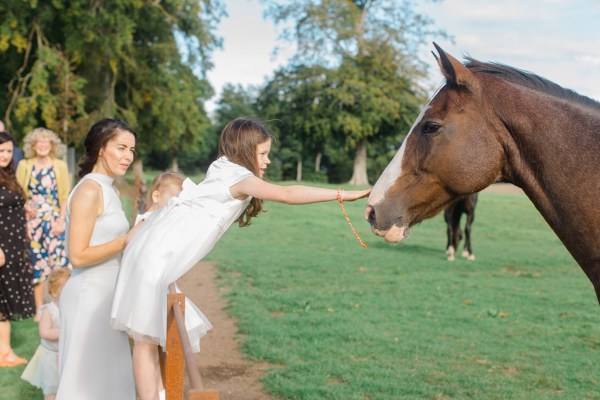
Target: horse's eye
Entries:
(431, 128)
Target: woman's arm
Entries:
(86, 207)
(295, 194)
(47, 331)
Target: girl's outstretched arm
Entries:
(294, 194)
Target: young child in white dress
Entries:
(177, 237)
(163, 187)
(42, 370)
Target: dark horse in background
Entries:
(490, 122)
(452, 215)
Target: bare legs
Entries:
(7, 356)
(146, 370)
(4, 337)
(38, 295)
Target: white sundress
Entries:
(94, 359)
(42, 369)
(171, 241)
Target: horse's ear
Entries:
(454, 70)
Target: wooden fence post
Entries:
(175, 360)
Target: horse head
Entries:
(450, 151)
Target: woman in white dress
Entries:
(177, 237)
(95, 360)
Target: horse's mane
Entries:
(529, 80)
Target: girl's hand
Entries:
(352, 195)
(2, 258)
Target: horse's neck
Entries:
(553, 150)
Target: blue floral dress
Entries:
(47, 251)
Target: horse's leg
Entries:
(470, 211)
(448, 214)
(468, 250)
(456, 231)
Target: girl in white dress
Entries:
(95, 360)
(177, 237)
(42, 370)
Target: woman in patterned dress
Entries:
(16, 297)
(46, 182)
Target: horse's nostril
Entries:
(371, 215)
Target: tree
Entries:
(299, 97)
(69, 62)
(372, 44)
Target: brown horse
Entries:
(452, 215)
(490, 122)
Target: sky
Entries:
(556, 39)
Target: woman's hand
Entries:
(129, 236)
(30, 210)
(2, 258)
(58, 226)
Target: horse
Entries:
(452, 215)
(490, 122)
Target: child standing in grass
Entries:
(178, 236)
(42, 370)
(163, 187)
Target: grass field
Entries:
(337, 321)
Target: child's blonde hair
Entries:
(57, 278)
(162, 180)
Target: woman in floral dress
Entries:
(46, 182)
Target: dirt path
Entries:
(222, 365)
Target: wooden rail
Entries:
(179, 354)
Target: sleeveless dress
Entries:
(42, 369)
(171, 241)
(94, 359)
(16, 293)
(47, 251)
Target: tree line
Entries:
(339, 108)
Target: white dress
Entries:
(94, 359)
(42, 369)
(171, 241)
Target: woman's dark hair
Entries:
(7, 174)
(97, 137)
(238, 143)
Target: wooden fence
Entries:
(179, 355)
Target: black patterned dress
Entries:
(16, 294)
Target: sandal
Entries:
(10, 359)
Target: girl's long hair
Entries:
(7, 174)
(97, 137)
(238, 143)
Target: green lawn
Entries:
(337, 321)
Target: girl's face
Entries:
(6, 154)
(262, 157)
(162, 197)
(42, 146)
(117, 155)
